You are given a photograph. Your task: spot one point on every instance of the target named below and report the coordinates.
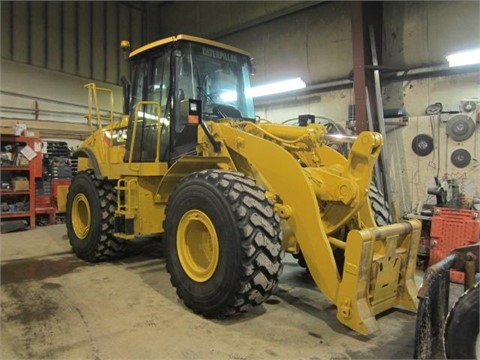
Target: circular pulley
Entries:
(460, 127)
(422, 144)
(460, 158)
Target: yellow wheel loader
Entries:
(229, 193)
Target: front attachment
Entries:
(378, 274)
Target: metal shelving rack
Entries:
(32, 171)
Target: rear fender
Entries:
(93, 163)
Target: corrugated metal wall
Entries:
(75, 37)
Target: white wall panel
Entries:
(136, 26)
(37, 33)
(332, 105)
(220, 10)
(179, 18)
(6, 24)
(421, 93)
(20, 32)
(83, 48)
(125, 34)
(98, 26)
(203, 18)
(113, 56)
(314, 43)
(52, 90)
(54, 37)
(69, 39)
(61, 36)
(329, 42)
(418, 33)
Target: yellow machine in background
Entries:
(229, 194)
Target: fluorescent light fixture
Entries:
(148, 116)
(277, 87)
(468, 57)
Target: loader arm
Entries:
(377, 260)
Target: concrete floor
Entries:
(54, 306)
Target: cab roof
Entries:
(176, 38)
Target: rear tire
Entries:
(381, 215)
(222, 243)
(380, 208)
(91, 205)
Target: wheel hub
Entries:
(197, 245)
(81, 216)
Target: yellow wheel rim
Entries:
(197, 245)
(81, 216)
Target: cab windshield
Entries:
(217, 77)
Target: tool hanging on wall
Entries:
(422, 144)
(460, 158)
(468, 105)
(434, 109)
(460, 127)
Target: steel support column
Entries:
(364, 14)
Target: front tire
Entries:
(461, 333)
(91, 205)
(222, 243)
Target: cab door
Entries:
(149, 126)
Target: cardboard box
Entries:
(31, 133)
(20, 185)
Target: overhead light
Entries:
(468, 57)
(229, 96)
(277, 87)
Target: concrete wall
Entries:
(313, 42)
(30, 93)
(422, 33)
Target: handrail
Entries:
(93, 108)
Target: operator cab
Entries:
(170, 72)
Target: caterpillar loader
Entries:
(229, 193)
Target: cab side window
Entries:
(150, 120)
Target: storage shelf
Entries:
(32, 171)
(14, 168)
(10, 192)
(14, 214)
